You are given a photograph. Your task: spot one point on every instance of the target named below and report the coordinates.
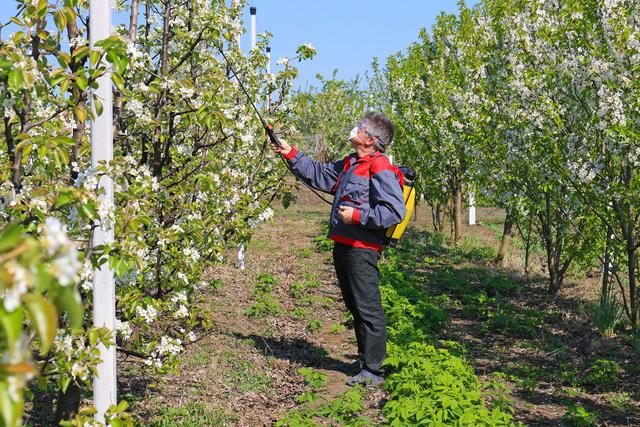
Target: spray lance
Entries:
(267, 127)
(394, 232)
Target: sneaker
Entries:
(365, 378)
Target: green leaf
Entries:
(65, 140)
(81, 113)
(119, 265)
(88, 211)
(120, 64)
(11, 322)
(60, 20)
(65, 383)
(10, 237)
(63, 59)
(44, 318)
(16, 80)
(43, 8)
(64, 85)
(118, 81)
(94, 57)
(68, 300)
(80, 52)
(69, 13)
(82, 81)
(98, 105)
(65, 197)
(10, 410)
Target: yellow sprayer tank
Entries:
(395, 231)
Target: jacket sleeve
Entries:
(386, 201)
(322, 176)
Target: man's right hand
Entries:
(284, 148)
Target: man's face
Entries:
(362, 139)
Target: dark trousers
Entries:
(358, 275)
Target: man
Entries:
(368, 199)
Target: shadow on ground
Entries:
(299, 351)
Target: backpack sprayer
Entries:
(394, 232)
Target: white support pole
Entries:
(472, 208)
(104, 300)
(241, 256)
(253, 27)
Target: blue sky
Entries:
(346, 33)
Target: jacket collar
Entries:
(366, 158)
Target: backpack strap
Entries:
(380, 163)
(345, 166)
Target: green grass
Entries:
(198, 358)
(190, 415)
(245, 378)
(305, 253)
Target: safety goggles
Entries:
(363, 126)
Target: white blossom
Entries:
(149, 313)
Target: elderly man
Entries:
(368, 199)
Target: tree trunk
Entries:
(68, 403)
(553, 247)
(457, 213)
(633, 291)
(506, 235)
(440, 218)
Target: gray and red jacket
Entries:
(370, 184)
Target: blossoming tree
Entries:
(192, 175)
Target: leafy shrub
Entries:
(305, 253)
(425, 383)
(509, 319)
(314, 379)
(192, 414)
(603, 373)
(607, 314)
(476, 306)
(621, 402)
(337, 328)
(265, 283)
(314, 325)
(300, 313)
(633, 339)
(295, 289)
(266, 306)
(498, 285)
(322, 242)
(577, 416)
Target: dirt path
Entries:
(245, 372)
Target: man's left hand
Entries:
(346, 214)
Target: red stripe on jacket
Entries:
(355, 243)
